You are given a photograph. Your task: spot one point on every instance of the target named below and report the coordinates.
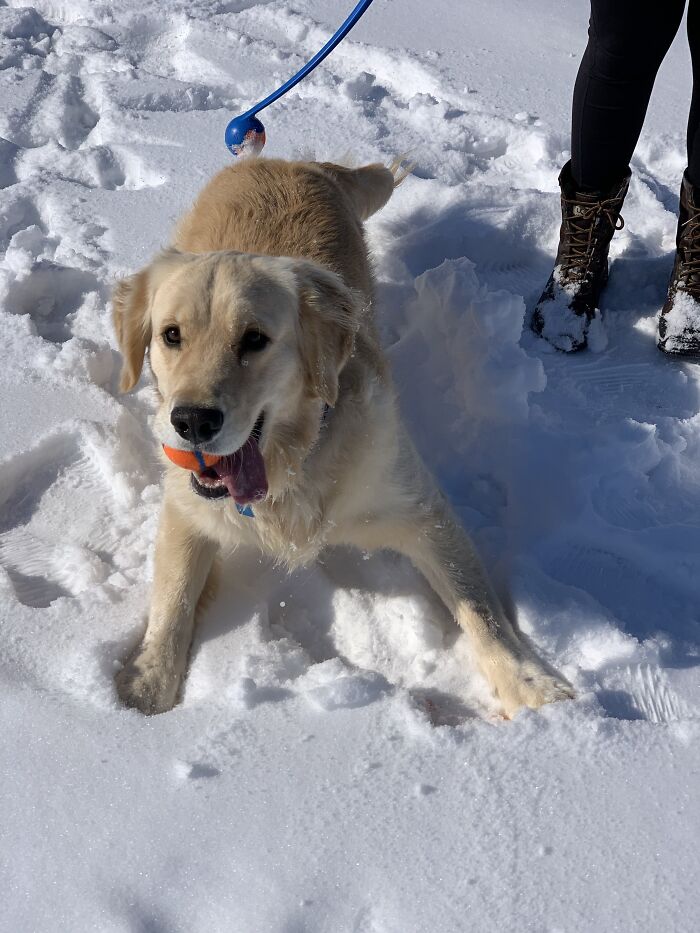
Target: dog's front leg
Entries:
(151, 677)
(429, 535)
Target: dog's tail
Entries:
(370, 186)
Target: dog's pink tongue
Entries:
(244, 473)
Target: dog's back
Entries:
(303, 209)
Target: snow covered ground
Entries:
(335, 764)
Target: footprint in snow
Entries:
(64, 530)
(51, 294)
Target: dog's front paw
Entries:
(148, 682)
(517, 683)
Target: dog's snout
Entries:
(196, 425)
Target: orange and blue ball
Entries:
(190, 459)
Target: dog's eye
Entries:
(171, 336)
(254, 340)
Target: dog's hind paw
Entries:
(148, 684)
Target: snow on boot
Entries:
(679, 324)
(569, 303)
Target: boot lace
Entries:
(581, 228)
(690, 246)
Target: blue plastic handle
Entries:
(247, 132)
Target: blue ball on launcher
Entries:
(245, 136)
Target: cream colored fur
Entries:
(279, 246)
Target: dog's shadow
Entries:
(630, 379)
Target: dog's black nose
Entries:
(196, 425)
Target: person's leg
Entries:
(694, 118)
(679, 324)
(627, 41)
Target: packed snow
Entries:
(336, 763)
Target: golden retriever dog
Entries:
(259, 332)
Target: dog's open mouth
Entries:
(240, 475)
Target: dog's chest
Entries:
(292, 531)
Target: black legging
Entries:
(627, 41)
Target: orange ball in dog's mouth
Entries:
(240, 475)
(190, 459)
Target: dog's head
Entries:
(244, 352)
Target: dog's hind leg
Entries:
(429, 535)
(151, 677)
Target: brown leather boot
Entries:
(569, 301)
(679, 324)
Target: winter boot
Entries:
(679, 324)
(570, 300)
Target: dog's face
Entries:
(240, 348)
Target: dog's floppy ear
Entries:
(131, 314)
(329, 315)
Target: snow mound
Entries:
(469, 338)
